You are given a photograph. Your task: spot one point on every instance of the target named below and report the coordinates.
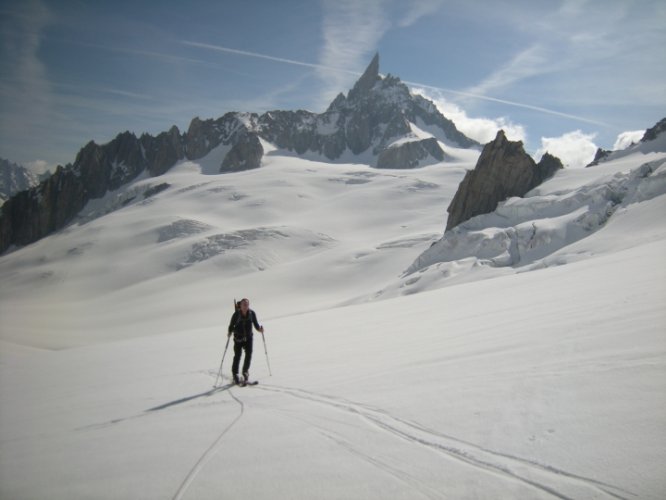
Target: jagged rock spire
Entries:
(503, 170)
(367, 80)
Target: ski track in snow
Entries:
(502, 464)
(543, 477)
(209, 453)
(410, 480)
(401, 475)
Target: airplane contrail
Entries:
(264, 56)
(510, 103)
(442, 89)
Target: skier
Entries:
(241, 326)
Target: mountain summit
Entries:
(378, 118)
(368, 79)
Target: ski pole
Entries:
(223, 355)
(266, 352)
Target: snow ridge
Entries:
(523, 231)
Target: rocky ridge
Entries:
(375, 116)
(653, 140)
(503, 170)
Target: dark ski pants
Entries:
(239, 347)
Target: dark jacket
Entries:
(241, 326)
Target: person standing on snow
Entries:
(241, 325)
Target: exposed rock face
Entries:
(503, 170)
(303, 131)
(246, 154)
(102, 168)
(34, 213)
(652, 133)
(105, 168)
(39, 211)
(599, 156)
(367, 81)
(163, 151)
(377, 111)
(409, 154)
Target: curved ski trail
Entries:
(545, 478)
(208, 454)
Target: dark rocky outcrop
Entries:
(45, 208)
(98, 169)
(105, 168)
(503, 170)
(201, 137)
(367, 81)
(409, 154)
(246, 154)
(599, 156)
(36, 212)
(163, 151)
(652, 133)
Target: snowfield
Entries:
(523, 355)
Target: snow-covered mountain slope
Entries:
(296, 235)
(358, 128)
(578, 214)
(540, 384)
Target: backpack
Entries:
(239, 334)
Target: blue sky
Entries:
(559, 74)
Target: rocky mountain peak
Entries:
(375, 118)
(367, 81)
(503, 170)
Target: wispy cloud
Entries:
(27, 96)
(168, 58)
(575, 48)
(351, 30)
(417, 9)
(87, 89)
(527, 63)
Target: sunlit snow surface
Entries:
(521, 356)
